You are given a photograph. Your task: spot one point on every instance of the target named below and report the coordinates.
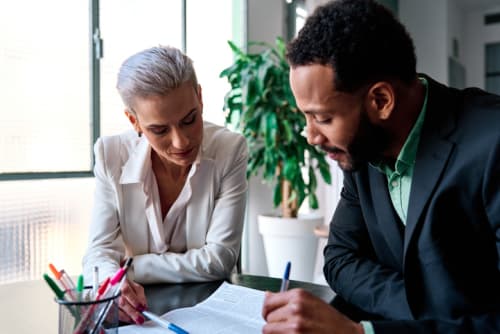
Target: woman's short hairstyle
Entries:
(154, 71)
(361, 40)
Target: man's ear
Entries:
(380, 99)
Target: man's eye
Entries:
(322, 120)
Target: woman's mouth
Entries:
(182, 154)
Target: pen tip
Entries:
(287, 269)
(128, 262)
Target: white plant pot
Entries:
(290, 239)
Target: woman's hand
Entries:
(132, 302)
(297, 311)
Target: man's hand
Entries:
(297, 311)
(132, 301)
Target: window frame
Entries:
(95, 49)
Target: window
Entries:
(493, 68)
(49, 121)
(128, 27)
(45, 118)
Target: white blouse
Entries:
(198, 240)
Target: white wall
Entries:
(426, 21)
(456, 30)
(434, 23)
(476, 36)
(265, 22)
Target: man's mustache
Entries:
(331, 149)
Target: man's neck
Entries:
(409, 103)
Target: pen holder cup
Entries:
(88, 316)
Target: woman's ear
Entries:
(380, 99)
(133, 120)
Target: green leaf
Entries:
(277, 195)
(260, 104)
(313, 201)
(312, 179)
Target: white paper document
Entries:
(230, 309)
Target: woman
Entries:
(170, 194)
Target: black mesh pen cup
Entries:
(80, 313)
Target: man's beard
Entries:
(366, 146)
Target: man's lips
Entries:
(333, 152)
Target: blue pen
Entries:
(164, 323)
(286, 276)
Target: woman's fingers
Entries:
(132, 302)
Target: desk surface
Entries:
(165, 297)
(29, 306)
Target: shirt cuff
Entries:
(367, 327)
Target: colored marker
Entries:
(118, 278)
(95, 281)
(79, 287)
(84, 323)
(65, 281)
(59, 293)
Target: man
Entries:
(414, 243)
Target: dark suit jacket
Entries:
(440, 273)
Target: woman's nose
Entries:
(179, 139)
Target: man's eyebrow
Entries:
(315, 112)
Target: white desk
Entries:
(27, 307)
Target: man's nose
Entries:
(314, 137)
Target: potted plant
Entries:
(260, 105)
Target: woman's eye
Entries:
(159, 131)
(190, 119)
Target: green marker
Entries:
(59, 293)
(79, 287)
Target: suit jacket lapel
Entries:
(391, 225)
(433, 153)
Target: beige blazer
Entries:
(121, 226)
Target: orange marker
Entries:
(65, 281)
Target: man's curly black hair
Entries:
(360, 39)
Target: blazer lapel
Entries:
(386, 216)
(433, 153)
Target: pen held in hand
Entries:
(286, 277)
(156, 319)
